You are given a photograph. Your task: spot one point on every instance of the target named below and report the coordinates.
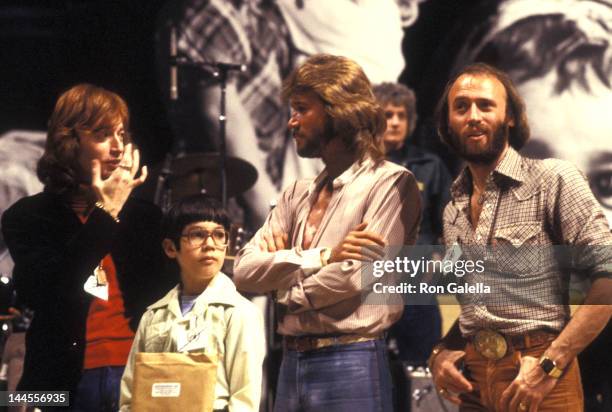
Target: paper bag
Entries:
(168, 382)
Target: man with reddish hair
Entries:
(87, 257)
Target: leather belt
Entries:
(309, 342)
(494, 345)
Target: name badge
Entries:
(190, 337)
(453, 253)
(92, 287)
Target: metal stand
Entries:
(219, 71)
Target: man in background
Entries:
(420, 327)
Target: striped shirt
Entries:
(527, 207)
(328, 300)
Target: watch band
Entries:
(325, 256)
(100, 206)
(550, 368)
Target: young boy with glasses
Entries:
(204, 313)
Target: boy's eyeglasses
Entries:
(197, 237)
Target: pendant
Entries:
(100, 275)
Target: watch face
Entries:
(547, 365)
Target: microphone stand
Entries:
(162, 192)
(162, 196)
(221, 74)
(219, 71)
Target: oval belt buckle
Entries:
(490, 344)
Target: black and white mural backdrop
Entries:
(558, 52)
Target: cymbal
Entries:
(200, 173)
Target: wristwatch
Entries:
(325, 256)
(550, 368)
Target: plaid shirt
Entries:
(528, 205)
(251, 33)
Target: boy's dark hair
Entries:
(195, 208)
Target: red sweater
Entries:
(108, 336)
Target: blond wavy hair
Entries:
(346, 92)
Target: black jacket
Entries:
(54, 253)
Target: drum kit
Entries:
(196, 173)
(183, 174)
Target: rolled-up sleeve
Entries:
(587, 232)
(256, 270)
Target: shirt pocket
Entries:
(516, 249)
(157, 337)
(451, 231)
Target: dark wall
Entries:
(48, 46)
(430, 47)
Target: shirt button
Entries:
(478, 237)
(74, 343)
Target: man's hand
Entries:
(274, 241)
(114, 191)
(359, 245)
(448, 379)
(528, 389)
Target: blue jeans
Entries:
(352, 378)
(98, 389)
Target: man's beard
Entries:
(486, 155)
(312, 146)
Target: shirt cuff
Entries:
(311, 260)
(308, 260)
